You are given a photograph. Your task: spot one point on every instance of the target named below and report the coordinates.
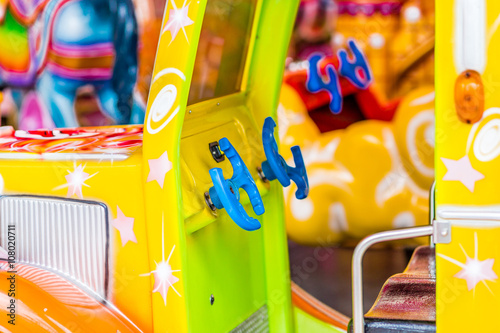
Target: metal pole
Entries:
(357, 266)
(432, 208)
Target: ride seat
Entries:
(407, 301)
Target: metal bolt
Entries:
(217, 154)
(212, 299)
(209, 202)
(262, 175)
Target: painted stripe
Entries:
(82, 74)
(81, 51)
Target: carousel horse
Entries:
(65, 45)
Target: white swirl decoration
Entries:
(163, 109)
(425, 118)
(485, 136)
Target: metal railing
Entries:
(357, 266)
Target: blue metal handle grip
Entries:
(349, 68)
(315, 82)
(225, 192)
(276, 168)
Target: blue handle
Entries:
(349, 68)
(225, 192)
(315, 83)
(276, 168)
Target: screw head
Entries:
(212, 299)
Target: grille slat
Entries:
(66, 236)
(94, 253)
(102, 234)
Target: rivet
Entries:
(444, 232)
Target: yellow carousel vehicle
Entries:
(145, 229)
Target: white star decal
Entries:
(163, 274)
(178, 19)
(158, 168)
(125, 225)
(75, 180)
(474, 270)
(462, 171)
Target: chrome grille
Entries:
(68, 237)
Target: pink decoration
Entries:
(462, 171)
(75, 180)
(33, 115)
(474, 270)
(158, 168)
(177, 20)
(125, 225)
(163, 274)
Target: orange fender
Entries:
(45, 302)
